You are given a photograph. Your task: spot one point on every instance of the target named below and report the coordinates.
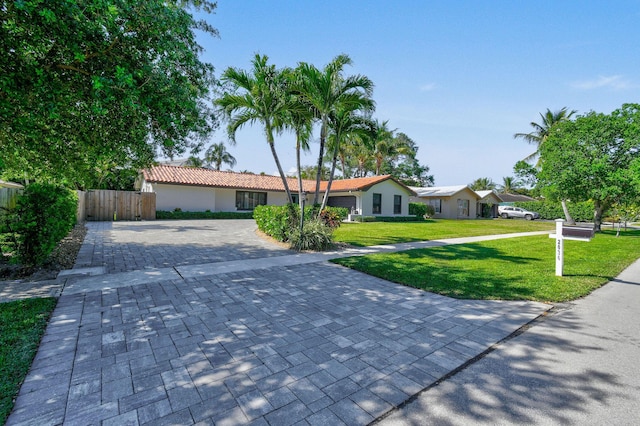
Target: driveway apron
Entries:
(203, 322)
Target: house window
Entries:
(437, 204)
(377, 203)
(246, 200)
(397, 204)
(463, 208)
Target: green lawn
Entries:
(511, 269)
(374, 233)
(22, 324)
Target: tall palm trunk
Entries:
(570, 220)
(272, 145)
(323, 138)
(325, 199)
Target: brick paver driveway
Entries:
(283, 344)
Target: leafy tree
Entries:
(482, 183)
(594, 157)
(538, 137)
(109, 82)
(404, 165)
(260, 95)
(217, 154)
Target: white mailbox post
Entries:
(567, 233)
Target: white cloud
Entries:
(428, 87)
(615, 82)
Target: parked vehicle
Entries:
(508, 212)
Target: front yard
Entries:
(510, 269)
(374, 233)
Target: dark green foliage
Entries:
(316, 235)
(22, 324)
(365, 218)
(179, 214)
(420, 210)
(283, 222)
(581, 212)
(44, 215)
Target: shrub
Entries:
(162, 214)
(315, 236)
(273, 221)
(364, 218)
(44, 215)
(330, 218)
(418, 209)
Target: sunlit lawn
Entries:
(22, 324)
(374, 233)
(511, 269)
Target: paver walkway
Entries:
(289, 339)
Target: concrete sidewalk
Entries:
(277, 339)
(578, 366)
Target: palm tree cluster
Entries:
(306, 97)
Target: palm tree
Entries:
(324, 91)
(259, 96)
(541, 131)
(194, 161)
(510, 185)
(540, 135)
(344, 123)
(483, 183)
(217, 154)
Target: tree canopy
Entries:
(594, 157)
(89, 87)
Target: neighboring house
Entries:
(199, 189)
(488, 203)
(449, 202)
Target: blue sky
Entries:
(458, 77)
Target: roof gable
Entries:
(440, 191)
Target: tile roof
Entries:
(197, 176)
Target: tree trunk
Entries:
(323, 137)
(282, 175)
(300, 191)
(325, 199)
(597, 215)
(567, 215)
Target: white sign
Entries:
(560, 236)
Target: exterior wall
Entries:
(449, 205)
(200, 198)
(387, 189)
(187, 198)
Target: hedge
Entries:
(179, 214)
(581, 212)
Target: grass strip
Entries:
(509, 269)
(375, 233)
(22, 324)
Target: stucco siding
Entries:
(387, 190)
(187, 198)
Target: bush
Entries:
(273, 221)
(315, 236)
(581, 212)
(179, 214)
(44, 215)
(364, 218)
(418, 209)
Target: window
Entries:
(377, 203)
(463, 208)
(249, 200)
(437, 204)
(397, 204)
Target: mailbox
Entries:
(577, 233)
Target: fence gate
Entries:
(109, 205)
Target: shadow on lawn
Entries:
(424, 269)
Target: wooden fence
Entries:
(108, 205)
(8, 198)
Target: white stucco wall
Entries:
(187, 198)
(387, 189)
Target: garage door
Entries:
(348, 201)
